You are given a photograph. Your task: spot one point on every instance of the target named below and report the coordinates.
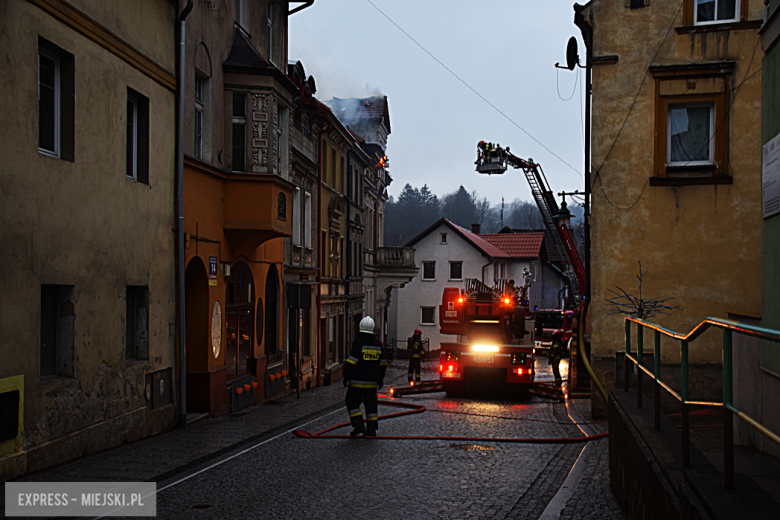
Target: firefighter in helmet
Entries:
(364, 374)
(415, 346)
(555, 357)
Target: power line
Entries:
(671, 26)
(473, 90)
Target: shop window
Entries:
(239, 314)
(57, 330)
(136, 322)
(429, 271)
(272, 311)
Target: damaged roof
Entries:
(354, 112)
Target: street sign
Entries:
(212, 270)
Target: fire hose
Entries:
(419, 408)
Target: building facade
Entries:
(238, 203)
(674, 140)
(88, 137)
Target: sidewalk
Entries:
(163, 456)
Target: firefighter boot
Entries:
(371, 429)
(358, 430)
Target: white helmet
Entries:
(367, 325)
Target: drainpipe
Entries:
(180, 214)
(587, 35)
(319, 259)
(348, 242)
(483, 269)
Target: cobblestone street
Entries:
(208, 471)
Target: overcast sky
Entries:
(503, 49)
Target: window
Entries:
(57, 325)
(199, 117)
(443, 238)
(456, 270)
(56, 107)
(306, 219)
(137, 139)
(239, 131)
(428, 315)
(282, 145)
(272, 37)
(429, 271)
(637, 4)
(332, 171)
(715, 11)
(297, 218)
(242, 13)
(137, 322)
(689, 133)
(691, 124)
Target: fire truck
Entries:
(550, 324)
(493, 349)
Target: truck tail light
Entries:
(519, 371)
(451, 368)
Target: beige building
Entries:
(87, 181)
(676, 168)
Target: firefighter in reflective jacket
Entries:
(415, 346)
(364, 374)
(555, 358)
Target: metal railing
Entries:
(399, 349)
(395, 257)
(729, 327)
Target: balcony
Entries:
(395, 257)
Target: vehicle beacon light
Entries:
(506, 301)
(451, 368)
(484, 348)
(441, 368)
(519, 371)
(460, 300)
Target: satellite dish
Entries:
(572, 58)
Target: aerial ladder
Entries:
(492, 160)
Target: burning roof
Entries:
(357, 113)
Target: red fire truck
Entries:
(551, 325)
(493, 349)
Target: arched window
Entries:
(272, 311)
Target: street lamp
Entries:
(563, 217)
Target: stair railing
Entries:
(729, 411)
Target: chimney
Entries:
(475, 229)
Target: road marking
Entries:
(573, 479)
(228, 458)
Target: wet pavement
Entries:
(274, 474)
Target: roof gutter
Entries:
(308, 3)
(180, 215)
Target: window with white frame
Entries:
(716, 11)
(429, 270)
(239, 131)
(456, 270)
(428, 315)
(690, 133)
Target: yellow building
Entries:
(676, 169)
(87, 174)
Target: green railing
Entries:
(729, 328)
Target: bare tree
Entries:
(638, 307)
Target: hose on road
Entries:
(419, 408)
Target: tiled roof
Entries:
(517, 245)
(481, 244)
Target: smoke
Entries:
(373, 91)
